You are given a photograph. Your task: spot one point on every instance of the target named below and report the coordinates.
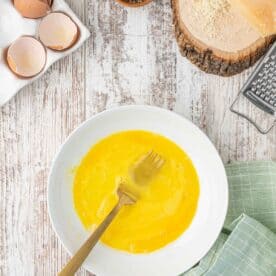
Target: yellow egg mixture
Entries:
(165, 207)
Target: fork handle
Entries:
(76, 261)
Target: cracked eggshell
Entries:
(26, 57)
(58, 31)
(32, 8)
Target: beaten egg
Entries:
(165, 207)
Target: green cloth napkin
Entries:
(247, 244)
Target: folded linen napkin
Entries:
(247, 244)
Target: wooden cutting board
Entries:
(210, 53)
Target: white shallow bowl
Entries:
(192, 245)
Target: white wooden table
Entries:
(131, 58)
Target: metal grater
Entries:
(260, 89)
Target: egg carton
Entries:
(12, 26)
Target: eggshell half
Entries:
(32, 8)
(26, 57)
(58, 31)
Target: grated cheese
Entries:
(209, 14)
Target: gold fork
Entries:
(141, 173)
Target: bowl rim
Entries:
(224, 208)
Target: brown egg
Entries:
(58, 31)
(26, 56)
(32, 8)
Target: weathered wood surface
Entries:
(131, 58)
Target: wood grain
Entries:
(131, 58)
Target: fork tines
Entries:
(146, 167)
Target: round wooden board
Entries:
(213, 60)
